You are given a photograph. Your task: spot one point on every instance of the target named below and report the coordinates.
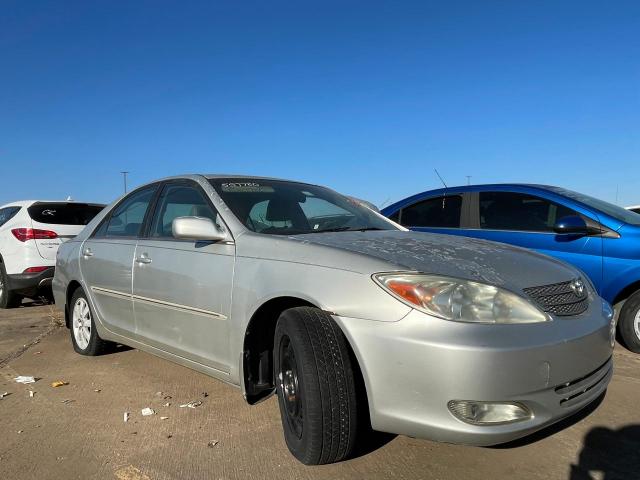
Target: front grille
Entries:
(573, 392)
(562, 299)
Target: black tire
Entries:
(627, 323)
(315, 386)
(8, 299)
(95, 345)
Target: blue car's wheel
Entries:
(629, 322)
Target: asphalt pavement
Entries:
(78, 430)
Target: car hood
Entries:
(461, 257)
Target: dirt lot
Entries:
(77, 430)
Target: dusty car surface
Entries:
(277, 286)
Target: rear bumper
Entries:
(412, 369)
(30, 284)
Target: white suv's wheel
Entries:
(8, 299)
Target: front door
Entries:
(527, 220)
(182, 288)
(106, 260)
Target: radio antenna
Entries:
(444, 197)
(438, 174)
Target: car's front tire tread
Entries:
(330, 423)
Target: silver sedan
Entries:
(355, 323)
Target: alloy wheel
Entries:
(81, 323)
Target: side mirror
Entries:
(196, 228)
(572, 225)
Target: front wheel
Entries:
(315, 385)
(629, 322)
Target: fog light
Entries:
(488, 413)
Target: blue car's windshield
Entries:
(279, 207)
(610, 209)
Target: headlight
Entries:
(459, 300)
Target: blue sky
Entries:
(365, 97)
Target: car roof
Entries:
(467, 188)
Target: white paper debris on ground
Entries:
(31, 393)
(212, 444)
(2, 395)
(24, 379)
(194, 404)
(126, 417)
(148, 411)
(168, 404)
(163, 418)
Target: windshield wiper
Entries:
(345, 229)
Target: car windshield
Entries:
(279, 207)
(610, 209)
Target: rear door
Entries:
(441, 214)
(182, 288)
(107, 257)
(59, 221)
(527, 220)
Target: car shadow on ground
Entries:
(609, 454)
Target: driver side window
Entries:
(178, 201)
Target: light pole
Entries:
(124, 177)
(468, 179)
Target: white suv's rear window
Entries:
(63, 213)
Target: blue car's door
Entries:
(527, 220)
(440, 214)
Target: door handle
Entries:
(87, 253)
(143, 259)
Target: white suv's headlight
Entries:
(460, 300)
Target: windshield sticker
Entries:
(246, 187)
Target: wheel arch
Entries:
(257, 369)
(71, 289)
(625, 293)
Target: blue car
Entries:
(600, 238)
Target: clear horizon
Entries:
(364, 97)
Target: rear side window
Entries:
(7, 214)
(127, 218)
(636, 210)
(438, 212)
(63, 213)
(519, 212)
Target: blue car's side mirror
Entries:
(572, 225)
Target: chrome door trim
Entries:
(173, 306)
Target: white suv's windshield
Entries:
(287, 208)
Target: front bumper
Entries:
(413, 367)
(30, 284)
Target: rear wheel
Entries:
(629, 322)
(315, 385)
(84, 335)
(8, 299)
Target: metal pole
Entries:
(468, 179)
(124, 175)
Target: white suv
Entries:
(30, 234)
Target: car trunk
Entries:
(66, 219)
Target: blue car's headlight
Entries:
(460, 300)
